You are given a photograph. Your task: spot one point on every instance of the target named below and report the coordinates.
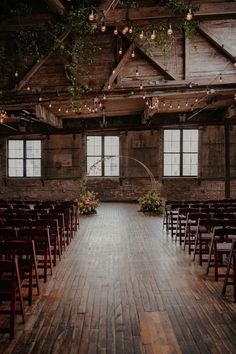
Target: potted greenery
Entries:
(151, 202)
(87, 201)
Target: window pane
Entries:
(15, 148)
(171, 164)
(94, 145)
(94, 166)
(33, 168)
(190, 140)
(111, 145)
(15, 167)
(172, 140)
(111, 166)
(33, 148)
(190, 164)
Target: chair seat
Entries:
(223, 247)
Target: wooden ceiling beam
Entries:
(13, 24)
(212, 39)
(206, 11)
(120, 66)
(45, 116)
(56, 7)
(38, 65)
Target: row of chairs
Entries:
(30, 244)
(209, 233)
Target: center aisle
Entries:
(125, 287)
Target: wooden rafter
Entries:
(154, 63)
(56, 6)
(44, 115)
(38, 65)
(121, 64)
(216, 42)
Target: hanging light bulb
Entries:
(170, 30)
(235, 96)
(189, 15)
(164, 104)
(178, 106)
(104, 97)
(91, 16)
(115, 32)
(235, 64)
(120, 51)
(59, 109)
(141, 35)
(16, 73)
(67, 110)
(220, 78)
(109, 86)
(50, 105)
(133, 54)
(208, 91)
(113, 71)
(136, 72)
(141, 86)
(144, 96)
(124, 30)
(153, 35)
(131, 29)
(186, 104)
(40, 99)
(28, 88)
(196, 99)
(171, 106)
(103, 27)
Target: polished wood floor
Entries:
(124, 286)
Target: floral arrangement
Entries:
(151, 202)
(87, 201)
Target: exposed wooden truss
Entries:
(205, 32)
(38, 65)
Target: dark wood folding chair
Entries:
(27, 262)
(10, 286)
(230, 279)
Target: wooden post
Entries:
(227, 159)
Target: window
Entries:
(24, 158)
(180, 152)
(103, 156)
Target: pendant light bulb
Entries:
(103, 28)
(115, 32)
(120, 51)
(16, 73)
(141, 35)
(153, 35)
(189, 15)
(91, 16)
(133, 54)
(136, 72)
(170, 30)
(131, 29)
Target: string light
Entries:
(124, 30)
(144, 96)
(133, 54)
(137, 72)
(178, 106)
(91, 16)
(59, 109)
(186, 104)
(109, 86)
(153, 35)
(131, 29)
(141, 86)
(115, 31)
(141, 35)
(104, 97)
(103, 27)
(170, 30)
(164, 104)
(220, 78)
(67, 111)
(113, 71)
(189, 15)
(208, 91)
(171, 106)
(50, 105)
(40, 99)
(3, 115)
(196, 99)
(235, 64)
(120, 51)
(235, 96)
(28, 88)
(16, 73)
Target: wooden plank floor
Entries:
(124, 286)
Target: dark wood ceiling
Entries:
(197, 75)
